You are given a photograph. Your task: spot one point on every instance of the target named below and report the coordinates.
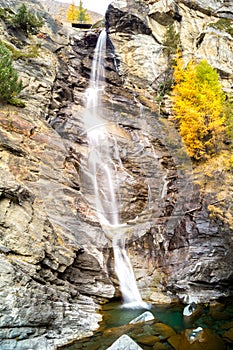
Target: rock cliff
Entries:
(56, 262)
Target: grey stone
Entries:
(124, 343)
(146, 316)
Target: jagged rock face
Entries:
(55, 256)
(194, 258)
(40, 308)
(192, 243)
(142, 53)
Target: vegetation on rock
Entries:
(198, 105)
(171, 44)
(10, 85)
(228, 111)
(26, 21)
(30, 51)
(223, 24)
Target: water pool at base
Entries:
(168, 331)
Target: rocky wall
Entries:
(57, 264)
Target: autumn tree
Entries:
(79, 14)
(198, 102)
(72, 13)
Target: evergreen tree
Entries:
(10, 85)
(26, 21)
(198, 102)
(82, 15)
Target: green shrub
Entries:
(223, 24)
(6, 14)
(31, 51)
(26, 21)
(228, 111)
(10, 85)
(171, 43)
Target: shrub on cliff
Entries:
(198, 105)
(26, 21)
(10, 85)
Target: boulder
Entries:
(202, 339)
(146, 316)
(163, 331)
(228, 335)
(124, 343)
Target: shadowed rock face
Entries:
(57, 264)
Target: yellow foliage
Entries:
(72, 13)
(198, 106)
(77, 14)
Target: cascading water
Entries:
(102, 177)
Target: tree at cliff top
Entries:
(26, 21)
(198, 105)
(82, 13)
(77, 14)
(10, 85)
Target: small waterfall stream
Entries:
(102, 178)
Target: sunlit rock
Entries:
(146, 316)
(124, 343)
(194, 334)
(189, 309)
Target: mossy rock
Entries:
(163, 331)
(147, 339)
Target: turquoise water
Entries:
(216, 320)
(115, 316)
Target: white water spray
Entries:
(102, 177)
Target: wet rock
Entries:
(228, 336)
(189, 309)
(163, 331)
(204, 339)
(159, 346)
(147, 339)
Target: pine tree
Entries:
(26, 21)
(10, 85)
(82, 15)
(198, 102)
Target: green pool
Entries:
(169, 329)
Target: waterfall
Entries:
(102, 178)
